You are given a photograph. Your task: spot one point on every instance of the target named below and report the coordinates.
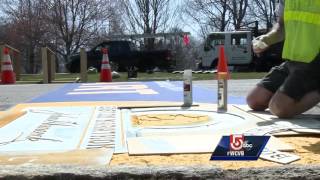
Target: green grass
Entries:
(157, 76)
(37, 78)
(248, 75)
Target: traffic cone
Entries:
(105, 74)
(7, 74)
(222, 69)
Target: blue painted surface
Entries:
(161, 91)
(52, 129)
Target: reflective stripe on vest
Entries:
(302, 27)
(305, 17)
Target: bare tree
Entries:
(65, 25)
(238, 10)
(26, 28)
(75, 22)
(264, 11)
(218, 14)
(116, 25)
(113, 25)
(210, 14)
(148, 16)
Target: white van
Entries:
(237, 45)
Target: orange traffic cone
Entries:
(222, 69)
(7, 74)
(105, 74)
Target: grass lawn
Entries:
(157, 76)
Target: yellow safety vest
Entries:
(302, 30)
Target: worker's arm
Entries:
(276, 35)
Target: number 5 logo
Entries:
(236, 142)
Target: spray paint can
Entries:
(222, 92)
(187, 87)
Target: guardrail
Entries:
(48, 65)
(15, 58)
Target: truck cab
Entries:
(237, 45)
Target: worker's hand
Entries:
(259, 45)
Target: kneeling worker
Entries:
(293, 87)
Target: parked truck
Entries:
(238, 49)
(122, 55)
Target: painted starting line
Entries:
(130, 91)
(63, 123)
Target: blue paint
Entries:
(53, 129)
(167, 91)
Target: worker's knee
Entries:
(257, 103)
(258, 99)
(281, 109)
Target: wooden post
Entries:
(49, 65)
(17, 64)
(83, 65)
(53, 66)
(1, 56)
(44, 53)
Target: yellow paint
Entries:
(86, 129)
(108, 83)
(147, 91)
(87, 89)
(138, 91)
(306, 147)
(92, 157)
(133, 104)
(10, 116)
(168, 119)
(122, 131)
(77, 156)
(110, 87)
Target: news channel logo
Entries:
(238, 147)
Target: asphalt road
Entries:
(239, 88)
(11, 95)
(14, 94)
